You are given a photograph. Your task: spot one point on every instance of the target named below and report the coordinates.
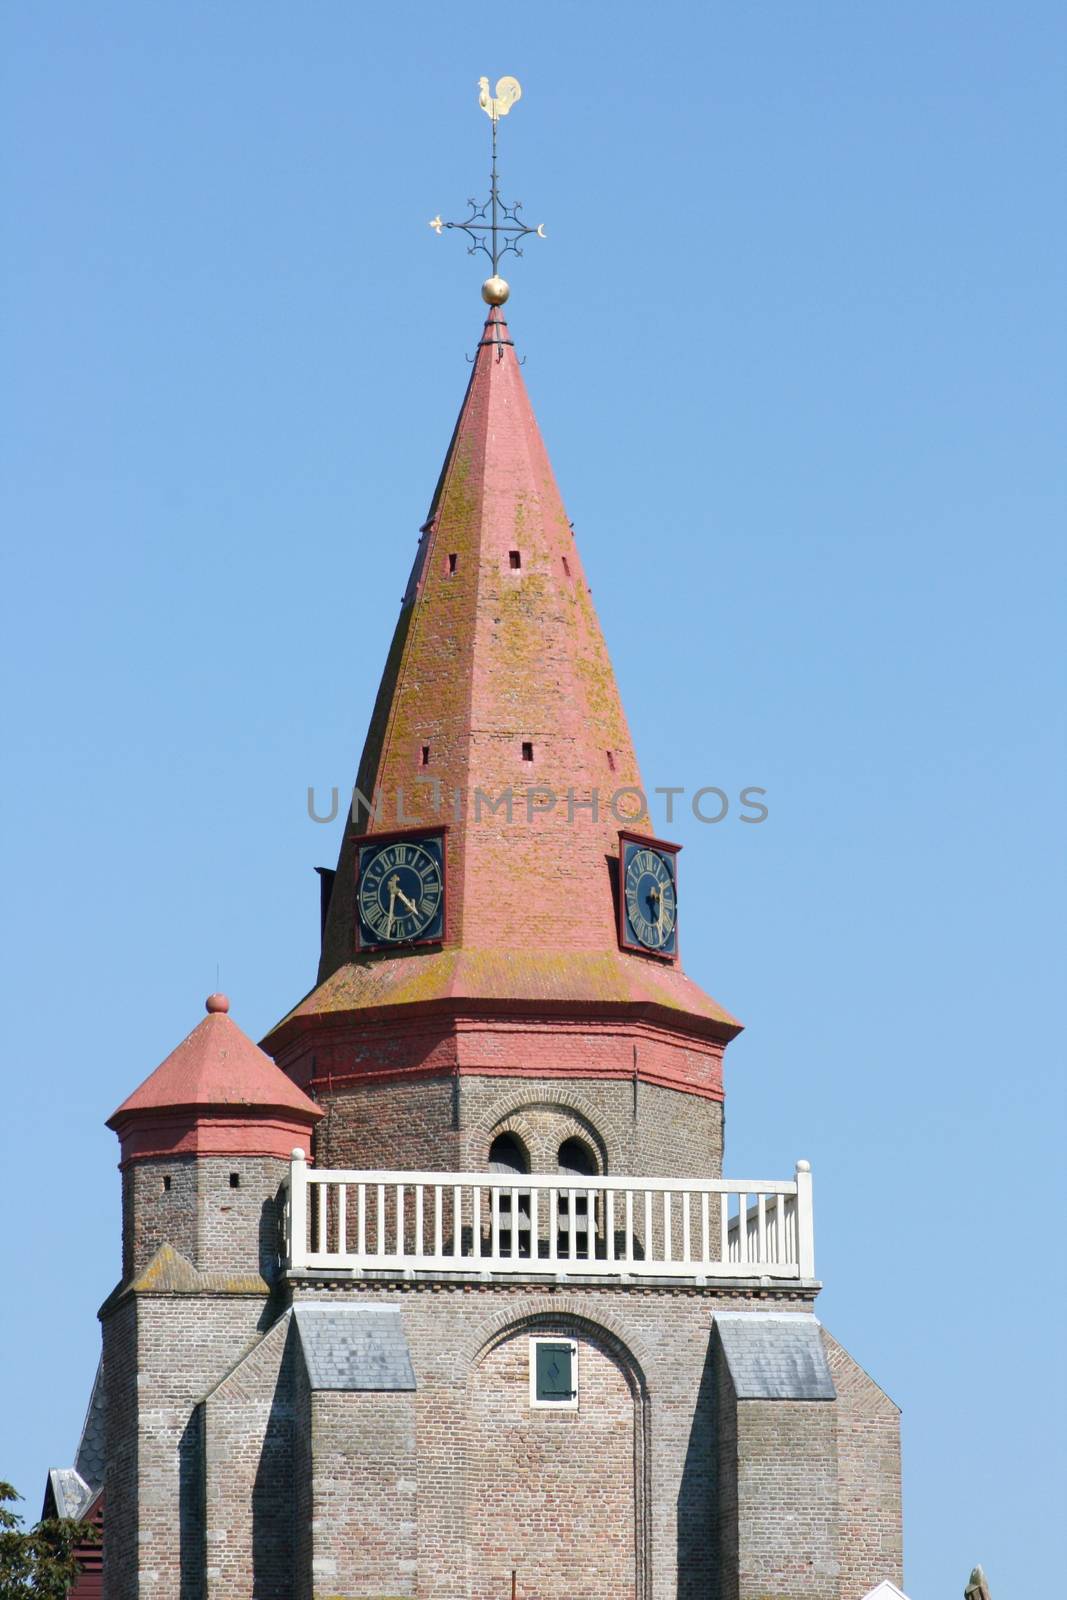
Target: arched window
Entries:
(574, 1159)
(506, 1154)
(575, 1156)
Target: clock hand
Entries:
(392, 903)
(667, 906)
(658, 894)
(398, 894)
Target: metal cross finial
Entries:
(493, 227)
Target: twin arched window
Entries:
(512, 1213)
(508, 1154)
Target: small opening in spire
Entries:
(611, 759)
(166, 1183)
(453, 563)
(515, 559)
(425, 755)
(566, 567)
(527, 750)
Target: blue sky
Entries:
(796, 343)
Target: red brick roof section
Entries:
(217, 1093)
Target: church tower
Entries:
(499, 759)
(442, 1293)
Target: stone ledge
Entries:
(779, 1289)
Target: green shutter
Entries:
(555, 1372)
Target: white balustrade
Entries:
(486, 1222)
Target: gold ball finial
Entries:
(495, 291)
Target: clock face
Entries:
(649, 897)
(401, 891)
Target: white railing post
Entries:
(805, 1221)
(298, 1211)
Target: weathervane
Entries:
(493, 227)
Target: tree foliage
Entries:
(38, 1561)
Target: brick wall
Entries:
(468, 1345)
(724, 1519)
(787, 1500)
(120, 1430)
(869, 1491)
(248, 1475)
(808, 1499)
(377, 1482)
(448, 1124)
(364, 1494)
(303, 1468)
(162, 1354)
(660, 1487)
(551, 1493)
(352, 1052)
(193, 1204)
(241, 1227)
(389, 1125)
(154, 1214)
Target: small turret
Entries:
(205, 1145)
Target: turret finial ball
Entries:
(215, 1003)
(495, 291)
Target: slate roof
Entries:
(775, 1356)
(71, 1490)
(354, 1347)
(89, 1457)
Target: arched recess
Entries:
(508, 1153)
(576, 1157)
(541, 1125)
(538, 1482)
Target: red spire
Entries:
(498, 680)
(216, 1094)
(498, 648)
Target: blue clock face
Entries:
(650, 898)
(401, 894)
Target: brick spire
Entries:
(498, 680)
(498, 648)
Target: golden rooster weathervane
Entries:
(493, 227)
(508, 90)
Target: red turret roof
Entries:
(216, 1093)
